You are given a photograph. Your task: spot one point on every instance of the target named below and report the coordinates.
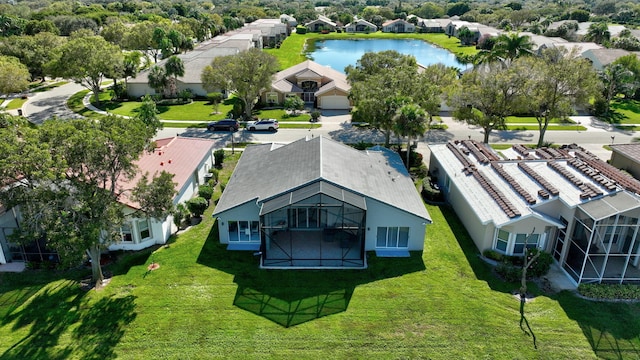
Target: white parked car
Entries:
(264, 124)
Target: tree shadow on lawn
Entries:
(612, 329)
(55, 311)
(292, 297)
(614, 117)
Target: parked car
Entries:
(264, 124)
(226, 124)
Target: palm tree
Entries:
(598, 33)
(507, 47)
(174, 67)
(158, 78)
(410, 121)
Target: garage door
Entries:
(335, 102)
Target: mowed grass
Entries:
(205, 302)
(625, 112)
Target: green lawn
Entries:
(291, 52)
(532, 120)
(205, 302)
(550, 128)
(625, 112)
(15, 104)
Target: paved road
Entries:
(338, 128)
(336, 125)
(45, 105)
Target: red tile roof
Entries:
(179, 156)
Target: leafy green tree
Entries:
(148, 114)
(617, 79)
(486, 96)
(14, 76)
(410, 121)
(132, 62)
(33, 51)
(598, 33)
(69, 171)
(459, 8)
(246, 74)
(87, 60)
(115, 33)
(466, 36)
(293, 103)
(37, 26)
(430, 10)
(556, 83)
(215, 98)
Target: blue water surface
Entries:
(337, 54)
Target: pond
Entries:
(337, 54)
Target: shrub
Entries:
(186, 95)
(180, 214)
(205, 191)
(541, 265)
(419, 172)
(301, 30)
(509, 272)
(218, 157)
(492, 254)
(415, 160)
(610, 291)
(214, 176)
(315, 115)
(222, 187)
(197, 206)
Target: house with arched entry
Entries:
(320, 86)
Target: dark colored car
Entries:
(226, 124)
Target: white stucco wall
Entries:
(245, 212)
(382, 215)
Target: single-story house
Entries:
(431, 26)
(626, 157)
(602, 57)
(398, 26)
(189, 160)
(360, 26)
(566, 201)
(320, 24)
(194, 63)
(318, 203)
(316, 84)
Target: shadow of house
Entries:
(293, 297)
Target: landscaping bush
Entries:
(205, 191)
(509, 272)
(197, 206)
(315, 115)
(180, 214)
(222, 187)
(493, 255)
(415, 160)
(214, 173)
(541, 265)
(610, 291)
(301, 30)
(419, 172)
(218, 158)
(186, 95)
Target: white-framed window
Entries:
(502, 241)
(532, 242)
(144, 230)
(126, 232)
(272, 98)
(392, 237)
(244, 231)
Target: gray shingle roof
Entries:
(267, 171)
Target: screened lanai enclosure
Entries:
(604, 242)
(318, 226)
